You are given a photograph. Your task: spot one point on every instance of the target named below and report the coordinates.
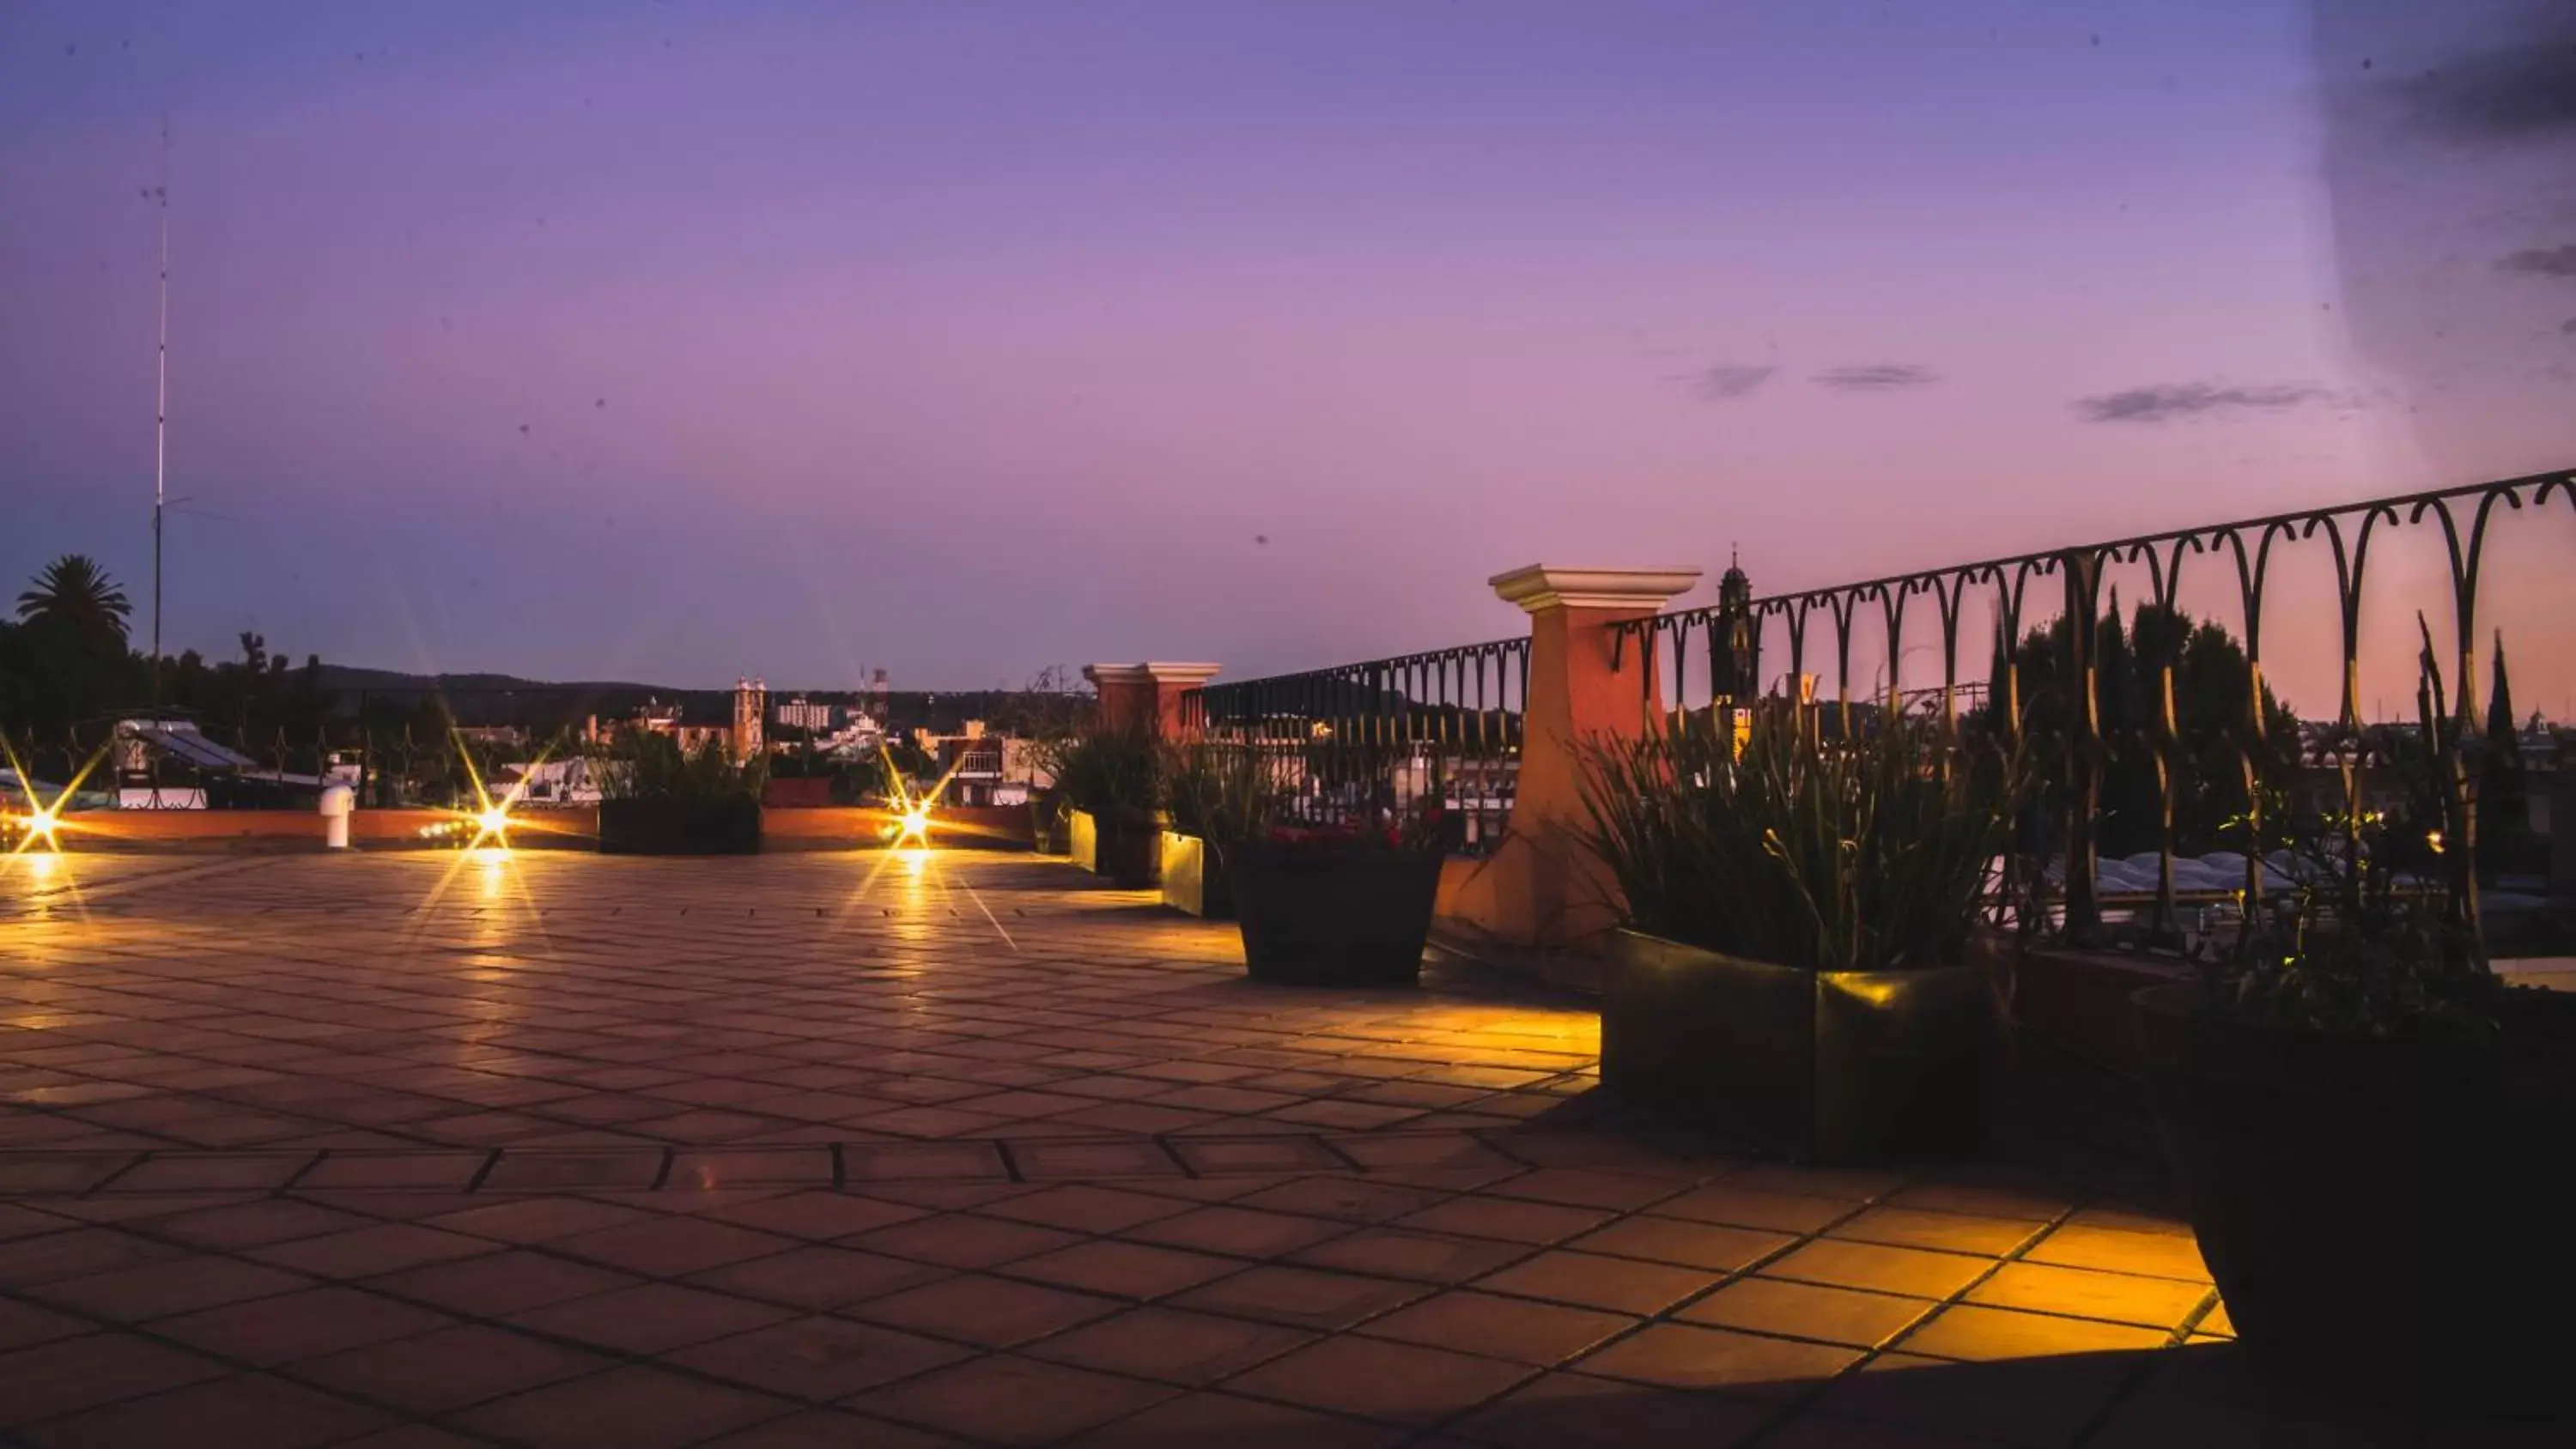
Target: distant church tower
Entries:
(750, 702)
(1739, 670)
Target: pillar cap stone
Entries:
(1545, 586)
(1156, 672)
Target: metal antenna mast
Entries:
(161, 409)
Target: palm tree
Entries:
(76, 590)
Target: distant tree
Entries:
(73, 589)
(2212, 739)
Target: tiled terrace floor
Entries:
(860, 1150)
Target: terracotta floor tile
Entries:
(499, 1284)
(1619, 1285)
(1193, 1349)
(2118, 1297)
(1807, 1310)
(2000, 1333)
(829, 1429)
(448, 1369)
(273, 1331)
(624, 1408)
(1589, 1187)
(1006, 1400)
(1537, 1224)
(818, 1358)
(1344, 1199)
(2216, 1397)
(252, 1224)
(1208, 1419)
(1393, 1383)
(536, 1219)
(25, 1324)
(651, 1317)
(1579, 1411)
(667, 1247)
(962, 1242)
(1949, 1232)
(1125, 1270)
(1886, 1270)
(370, 1251)
(819, 1278)
(819, 1214)
(990, 1312)
(72, 1374)
(154, 1290)
(1682, 1356)
(1424, 1257)
(1086, 1208)
(1470, 1322)
(1683, 1244)
(1237, 1231)
(2034, 1403)
(77, 1253)
(1301, 1297)
(2114, 1250)
(247, 1409)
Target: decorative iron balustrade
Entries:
(1727, 641)
(1360, 743)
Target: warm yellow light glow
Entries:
(2434, 839)
(913, 825)
(41, 825)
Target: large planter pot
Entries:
(1194, 878)
(1128, 852)
(679, 827)
(1050, 830)
(2386, 1218)
(1326, 917)
(1082, 840)
(1836, 1067)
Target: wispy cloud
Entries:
(2512, 93)
(1727, 380)
(2165, 402)
(2568, 326)
(1877, 376)
(2541, 261)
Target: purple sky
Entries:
(685, 340)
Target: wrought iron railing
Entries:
(1386, 737)
(1707, 660)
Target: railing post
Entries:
(1542, 887)
(1154, 697)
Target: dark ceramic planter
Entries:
(1194, 878)
(1833, 1067)
(1327, 917)
(1050, 830)
(2385, 1217)
(679, 827)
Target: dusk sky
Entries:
(677, 341)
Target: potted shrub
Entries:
(1048, 827)
(1336, 905)
(1111, 782)
(2367, 1130)
(1213, 792)
(660, 801)
(1802, 964)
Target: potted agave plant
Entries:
(1213, 792)
(1111, 783)
(2368, 1130)
(661, 800)
(1802, 965)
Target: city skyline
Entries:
(692, 342)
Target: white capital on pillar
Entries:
(1542, 586)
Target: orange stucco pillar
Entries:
(1542, 887)
(1149, 696)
